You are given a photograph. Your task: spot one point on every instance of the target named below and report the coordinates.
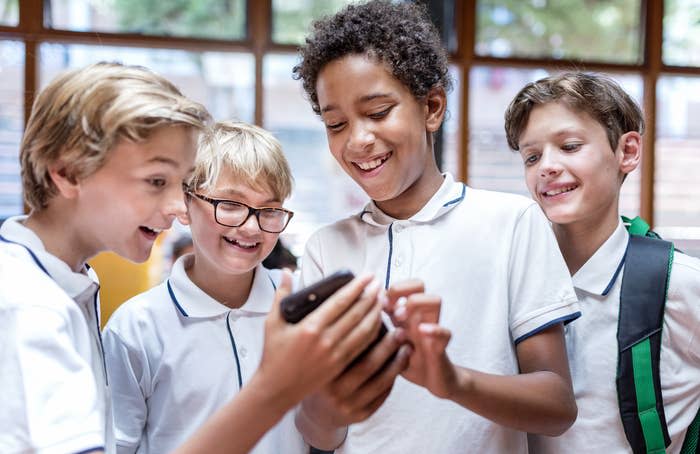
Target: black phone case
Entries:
(299, 304)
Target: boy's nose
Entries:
(360, 138)
(549, 163)
(175, 205)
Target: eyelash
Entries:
(156, 182)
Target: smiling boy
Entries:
(579, 136)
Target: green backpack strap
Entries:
(691, 445)
(642, 301)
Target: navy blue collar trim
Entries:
(36, 259)
(458, 199)
(172, 297)
(617, 273)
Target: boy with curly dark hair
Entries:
(377, 75)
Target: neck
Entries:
(579, 241)
(414, 198)
(231, 290)
(60, 239)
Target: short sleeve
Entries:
(51, 403)
(126, 366)
(541, 292)
(311, 268)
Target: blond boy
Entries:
(104, 156)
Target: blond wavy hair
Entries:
(82, 115)
(253, 155)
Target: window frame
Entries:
(258, 42)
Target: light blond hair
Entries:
(82, 115)
(253, 155)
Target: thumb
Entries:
(283, 289)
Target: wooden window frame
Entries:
(32, 33)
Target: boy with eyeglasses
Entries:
(180, 351)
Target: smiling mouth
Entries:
(368, 166)
(561, 190)
(152, 233)
(241, 244)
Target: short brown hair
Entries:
(82, 115)
(251, 153)
(595, 94)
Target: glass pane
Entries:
(682, 32)
(11, 126)
(492, 165)
(676, 184)
(9, 12)
(291, 18)
(323, 193)
(224, 82)
(450, 138)
(578, 29)
(222, 19)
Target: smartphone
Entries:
(299, 304)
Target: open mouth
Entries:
(150, 232)
(242, 244)
(561, 190)
(368, 166)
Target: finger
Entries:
(368, 364)
(424, 305)
(284, 288)
(380, 384)
(403, 289)
(356, 330)
(434, 338)
(340, 301)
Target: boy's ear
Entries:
(67, 185)
(630, 148)
(436, 105)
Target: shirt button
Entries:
(398, 228)
(398, 261)
(244, 352)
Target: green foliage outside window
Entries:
(594, 30)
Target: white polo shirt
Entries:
(592, 348)
(174, 356)
(53, 373)
(493, 259)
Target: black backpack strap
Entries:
(642, 301)
(691, 445)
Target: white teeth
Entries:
(371, 165)
(242, 244)
(559, 191)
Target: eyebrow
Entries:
(228, 192)
(362, 100)
(561, 132)
(168, 161)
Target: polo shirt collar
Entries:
(192, 301)
(74, 284)
(599, 273)
(448, 196)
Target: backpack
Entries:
(648, 263)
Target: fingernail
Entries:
(400, 335)
(383, 299)
(427, 328)
(400, 313)
(373, 286)
(401, 302)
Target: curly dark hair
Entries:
(398, 35)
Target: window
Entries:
(593, 31)
(222, 19)
(9, 12)
(11, 126)
(682, 33)
(291, 18)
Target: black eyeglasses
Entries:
(230, 213)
